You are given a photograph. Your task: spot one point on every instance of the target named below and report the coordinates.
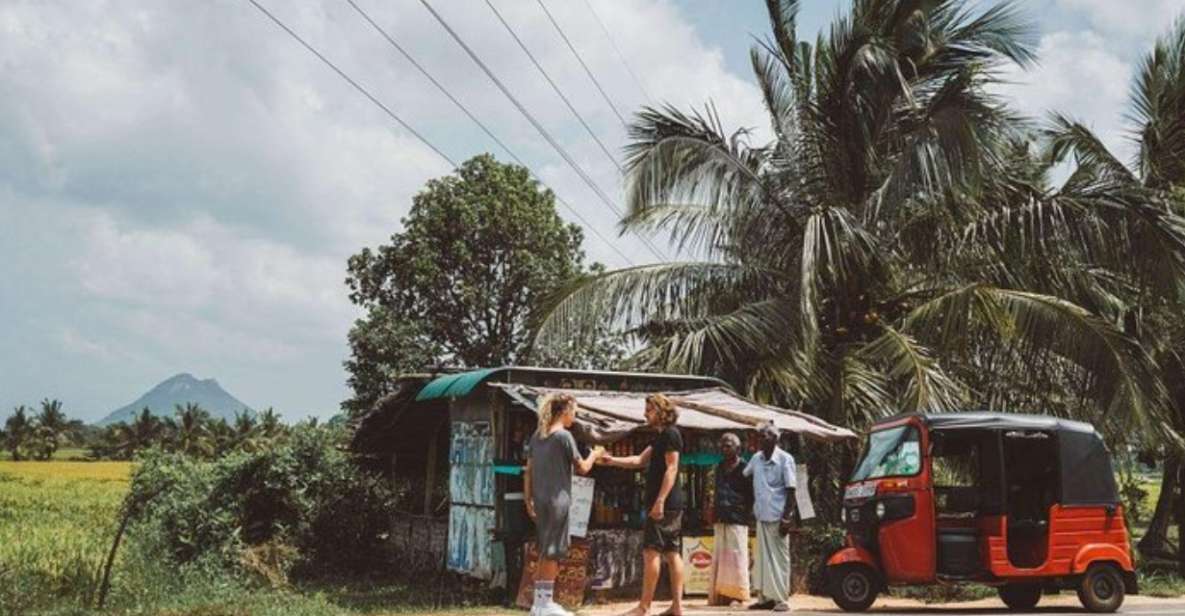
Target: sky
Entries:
(181, 183)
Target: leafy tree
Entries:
(190, 428)
(856, 265)
(1151, 307)
(53, 428)
(461, 283)
(17, 429)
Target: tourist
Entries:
(729, 575)
(773, 473)
(547, 490)
(664, 504)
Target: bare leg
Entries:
(675, 562)
(547, 570)
(651, 566)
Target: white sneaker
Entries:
(554, 609)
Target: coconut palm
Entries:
(53, 428)
(1155, 178)
(269, 425)
(16, 430)
(856, 264)
(190, 428)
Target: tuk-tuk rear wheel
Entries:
(1101, 589)
(854, 587)
(1020, 596)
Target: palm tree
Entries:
(16, 430)
(191, 431)
(854, 265)
(1156, 122)
(53, 427)
(270, 425)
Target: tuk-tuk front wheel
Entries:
(854, 587)
(1020, 597)
(1101, 589)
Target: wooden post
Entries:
(430, 477)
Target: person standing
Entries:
(547, 490)
(729, 575)
(663, 501)
(773, 473)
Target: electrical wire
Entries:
(617, 50)
(579, 59)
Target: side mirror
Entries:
(1111, 510)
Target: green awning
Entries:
(453, 385)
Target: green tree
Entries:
(853, 265)
(190, 431)
(17, 429)
(1151, 309)
(460, 284)
(53, 428)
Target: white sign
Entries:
(581, 508)
(806, 510)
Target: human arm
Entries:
(628, 462)
(790, 507)
(585, 465)
(668, 483)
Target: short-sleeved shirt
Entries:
(771, 479)
(552, 458)
(734, 494)
(667, 440)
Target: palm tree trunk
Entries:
(1154, 543)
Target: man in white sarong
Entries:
(733, 505)
(773, 473)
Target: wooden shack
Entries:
(467, 432)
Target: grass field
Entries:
(57, 520)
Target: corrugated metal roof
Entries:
(453, 385)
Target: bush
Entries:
(811, 549)
(302, 506)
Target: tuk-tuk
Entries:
(1025, 503)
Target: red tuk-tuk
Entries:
(1025, 503)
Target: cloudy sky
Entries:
(181, 183)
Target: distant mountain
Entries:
(181, 389)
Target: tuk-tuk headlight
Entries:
(843, 514)
(880, 510)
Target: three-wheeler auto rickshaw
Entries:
(1025, 503)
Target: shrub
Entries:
(303, 505)
(811, 549)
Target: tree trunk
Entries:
(1154, 543)
(1180, 502)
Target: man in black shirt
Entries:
(663, 502)
(734, 500)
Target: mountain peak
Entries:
(179, 390)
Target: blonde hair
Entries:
(668, 413)
(551, 407)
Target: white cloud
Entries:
(181, 183)
(1080, 76)
(1128, 18)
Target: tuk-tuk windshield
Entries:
(892, 452)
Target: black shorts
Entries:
(663, 535)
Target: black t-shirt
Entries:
(734, 494)
(668, 440)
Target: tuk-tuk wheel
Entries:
(1101, 589)
(853, 587)
(1020, 596)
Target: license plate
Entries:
(860, 490)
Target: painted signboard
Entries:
(697, 565)
(581, 508)
(471, 493)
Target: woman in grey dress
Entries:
(547, 489)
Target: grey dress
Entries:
(552, 458)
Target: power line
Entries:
(579, 59)
(534, 122)
(364, 92)
(489, 133)
(620, 56)
(555, 87)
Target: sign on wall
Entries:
(581, 508)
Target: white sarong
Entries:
(771, 569)
(729, 574)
